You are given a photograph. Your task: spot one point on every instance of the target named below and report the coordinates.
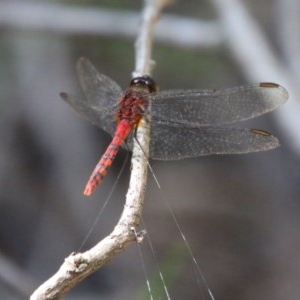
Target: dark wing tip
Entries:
(268, 141)
(260, 132)
(278, 93)
(269, 84)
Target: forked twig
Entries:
(78, 266)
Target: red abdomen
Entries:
(122, 131)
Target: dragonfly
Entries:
(182, 123)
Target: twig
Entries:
(79, 265)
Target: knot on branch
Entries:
(76, 263)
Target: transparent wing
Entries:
(172, 143)
(101, 96)
(103, 119)
(213, 107)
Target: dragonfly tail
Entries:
(108, 157)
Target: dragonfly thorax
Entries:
(132, 107)
(132, 104)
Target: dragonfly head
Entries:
(144, 84)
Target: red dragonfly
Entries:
(184, 123)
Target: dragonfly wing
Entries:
(101, 96)
(172, 143)
(103, 119)
(213, 107)
(101, 92)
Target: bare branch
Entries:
(79, 265)
(143, 65)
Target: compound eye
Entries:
(144, 82)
